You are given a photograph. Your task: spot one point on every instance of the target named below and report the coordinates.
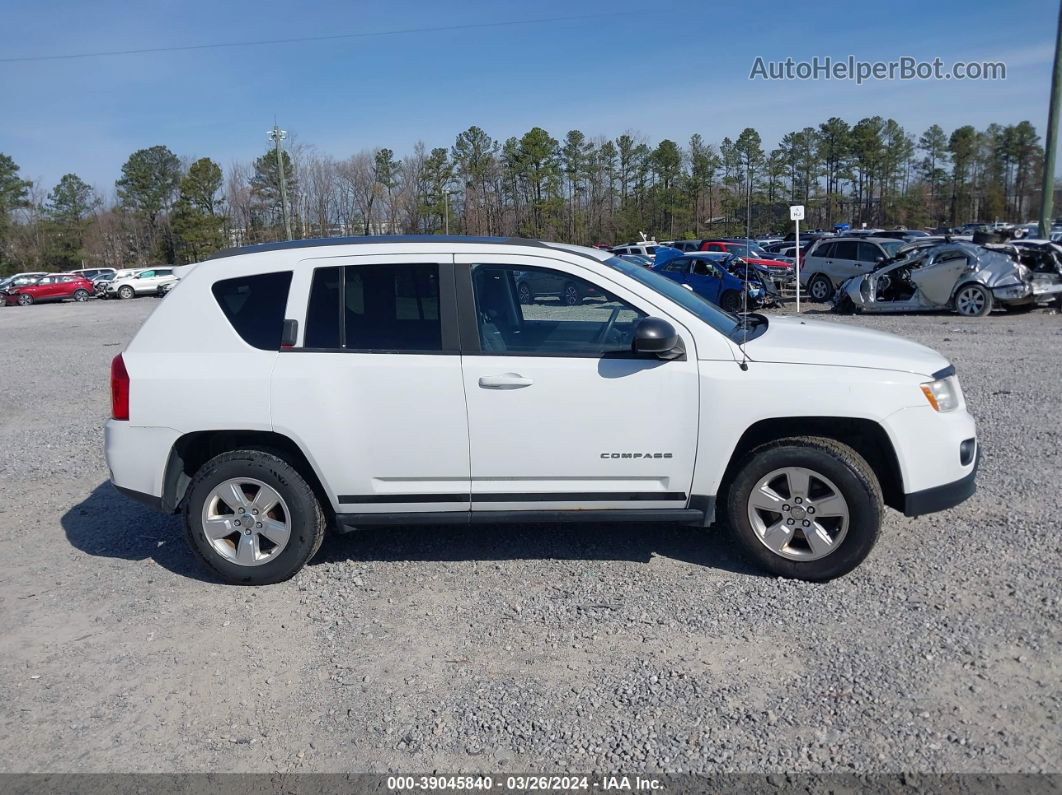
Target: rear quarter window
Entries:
(255, 306)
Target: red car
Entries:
(53, 287)
(758, 255)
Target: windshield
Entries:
(757, 252)
(715, 317)
(892, 247)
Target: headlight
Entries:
(942, 394)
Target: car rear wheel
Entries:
(808, 508)
(81, 295)
(973, 300)
(252, 518)
(820, 288)
(25, 300)
(125, 291)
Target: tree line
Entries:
(576, 188)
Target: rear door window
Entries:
(255, 305)
(375, 308)
(845, 249)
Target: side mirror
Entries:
(656, 336)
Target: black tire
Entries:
(844, 467)
(307, 519)
(570, 295)
(81, 295)
(25, 300)
(823, 285)
(973, 300)
(125, 292)
(730, 301)
(524, 294)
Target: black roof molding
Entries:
(321, 242)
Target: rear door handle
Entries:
(505, 381)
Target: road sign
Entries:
(796, 212)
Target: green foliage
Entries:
(198, 226)
(265, 190)
(149, 180)
(68, 208)
(14, 193)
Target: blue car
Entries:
(701, 272)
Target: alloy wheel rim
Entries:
(818, 289)
(971, 301)
(246, 521)
(798, 514)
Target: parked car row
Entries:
(24, 289)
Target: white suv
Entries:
(353, 382)
(146, 281)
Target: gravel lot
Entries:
(540, 648)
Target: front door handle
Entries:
(505, 381)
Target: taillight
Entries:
(119, 389)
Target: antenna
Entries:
(744, 364)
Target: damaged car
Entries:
(963, 277)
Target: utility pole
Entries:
(1047, 199)
(278, 135)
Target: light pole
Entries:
(1047, 197)
(277, 135)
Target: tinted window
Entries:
(844, 249)
(650, 250)
(825, 250)
(580, 320)
(375, 308)
(868, 252)
(254, 305)
(680, 265)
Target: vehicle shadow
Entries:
(708, 547)
(107, 524)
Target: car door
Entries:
(47, 289)
(143, 282)
(560, 412)
(869, 254)
(937, 278)
(706, 280)
(844, 261)
(372, 388)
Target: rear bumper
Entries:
(136, 457)
(940, 498)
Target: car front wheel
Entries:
(820, 288)
(252, 518)
(809, 508)
(25, 300)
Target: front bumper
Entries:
(940, 498)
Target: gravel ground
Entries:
(525, 648)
